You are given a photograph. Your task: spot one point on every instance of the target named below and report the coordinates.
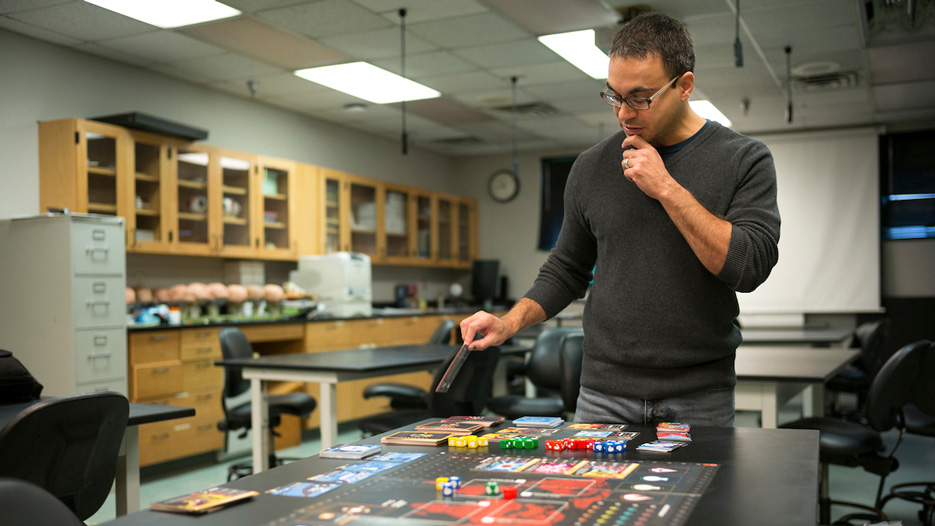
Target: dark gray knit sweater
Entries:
(657, 324)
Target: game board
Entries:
(553, 489)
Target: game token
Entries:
(506, 443)
(439, 482)
(531, 443)
(492, 488)
(598, 446)
(554, 445)
(510, 492)
(448, 490)
(452, 441)
(482, 442)
(460, 441)
(472, 442)
(455, 482)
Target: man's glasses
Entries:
(637, 103)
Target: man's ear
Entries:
(686, 85)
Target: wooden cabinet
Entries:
(150, 218)
(394, 225)
(277, 180)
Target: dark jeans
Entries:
(712, 407)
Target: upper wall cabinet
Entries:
(277, 232)
(150, 219)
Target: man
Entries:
(677, 213)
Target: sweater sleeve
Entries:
(754, 216)
(566, 273)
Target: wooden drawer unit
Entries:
(200, 336)
(155, 380)
(154, 346)
(201, 374)
(171, 440)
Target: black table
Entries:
(328, 369)
(127, 486)
(764, 477)
(794, 336)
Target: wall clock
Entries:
(503, 185)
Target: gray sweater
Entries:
(657, 324)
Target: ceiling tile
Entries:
(163, 46)
(533, 74)
(902, 63)
(899, 95)
(377, 44)
(777, 19)
(37, 32)
(475, 30)
(228, 66)
(282, 84)
(325, 18)
(544, 17)
(462, 82)
(258, 39)
(252, 6)
(564, 90)
(445, 111)
(426, 65)
(12, 6)
(422, 10)
(83, 21)
(528, 51)
(94, 48)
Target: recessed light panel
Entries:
(577, 47)
(169, 13)
(368, 82)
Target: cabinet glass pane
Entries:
(193, 196)
(332, 215)
(444, 229)
(464, 233)
(235, 176)
(276, 193)
(397, 233)
(147, 182)
(424, 227)
(363, 219)
(102, 174)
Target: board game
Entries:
(555, 488)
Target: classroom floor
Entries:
(916, 454)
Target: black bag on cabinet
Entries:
(16, 383)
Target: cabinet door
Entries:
(149, 190)
(395, 225)
(422, 242)
(193, 181)
(447, 229)
(334, 212)
(362, 196)
(276, 180)
(238, 212)
(102, 163)
(467, 232)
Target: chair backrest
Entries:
(68, 446)
(25, 504)
(870, 337)
(234, 344)
(893, 386)
(442, 335)
(544, 368)
(470, 390)
(923, 392)
(571, 355)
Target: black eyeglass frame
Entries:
(637, 103)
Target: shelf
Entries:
(146, 178)
(102, 170)
(235, 221)
(102, 207)
(191, 216)
(192, 184)
(234, 190)
(277, 225)
(147, 212)
(278, 197)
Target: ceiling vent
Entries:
(536, 109)
(827, 81)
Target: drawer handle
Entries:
(161, 436)
(204, 350)
(99, 286)
(158, 338)
(160, 370)
(203, 335)
(206, 427)
(100, 339)
(91, 252)
(98, 234)
(96, 355)
(96, 303)
(203, 365)
(203, 397)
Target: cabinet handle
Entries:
(204, 350)
(94, 356)
(204, 397)
(204, 334)
(98, 234)
(204, 365)
(99, 286)
(100, 339)
(206, 427)
(98, 303)
(160, 370)
(158, 338)
(161, 436)
(91, 251)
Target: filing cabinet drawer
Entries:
(200, 336)
(100, 355)
(99, 301)
(156, 346)
(201, 375)
(97, 248)
(201, 351)
(117, 385)
(156, 379)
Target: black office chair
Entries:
(68, 446)
(543, 369)
(572, 353)
(234, 344)
(25, 504)
(920, 420)
(848, 443)
(405, 397)
(467, 395)
(856, 379)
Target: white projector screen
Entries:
(829, 246)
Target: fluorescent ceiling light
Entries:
(169, 13)
(368, 82)
(705, 109)
(577, 47)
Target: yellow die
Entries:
(472, 442)
(482, 442)
(460, 441)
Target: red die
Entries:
(509, 492)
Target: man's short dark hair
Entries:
(656, 34)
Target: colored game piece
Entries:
(598, 446)
(448, 490)
(455, 481)
(452, 441)
(439, 482)
(530, 443)
(492, 488)
(482, 442)
(554, 445)
(506, 443)
(472, 442)
(460, 441)
(510, 492)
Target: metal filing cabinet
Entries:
(62, 301)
